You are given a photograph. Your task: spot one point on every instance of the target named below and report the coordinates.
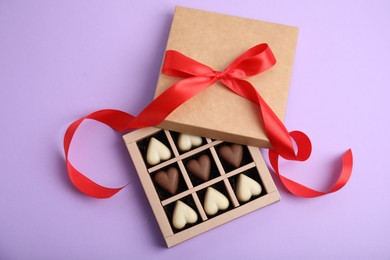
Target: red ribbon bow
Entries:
(198, 77)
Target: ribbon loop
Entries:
(252, 62)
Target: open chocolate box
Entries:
(195, 184)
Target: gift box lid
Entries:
(216, 40)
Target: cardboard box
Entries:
(216, 40)
(192, 190)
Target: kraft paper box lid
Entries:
(216, 40)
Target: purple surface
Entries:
(60, 60)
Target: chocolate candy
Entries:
(183, 215)
(214, 201)
(168, 180)
(186, 142)
(200, 168)
(157, 152)
(246, 188)
(190, 180)
(231, 154)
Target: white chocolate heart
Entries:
(214, 201)
(186, 142)
(183, 214)
(246, 188)
(157, 152)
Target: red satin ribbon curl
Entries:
(198, 77)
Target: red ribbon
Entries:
(198, 77)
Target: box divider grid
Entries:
(183, 156)
(208, 183)
(185, 174)
(199, 206)
(217, 161)
(152, 196)
(159, 206)
(172, 143)
(231, 193)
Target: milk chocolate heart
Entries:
(231, 154)
(168, 180)
(200, 168)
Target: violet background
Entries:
(60, 60)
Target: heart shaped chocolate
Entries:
(214, 201)
(186, 142)
(231, 154)
(168, 180)
(157, 152)
(246, 188)
(200, 168)
(183, 214)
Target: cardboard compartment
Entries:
(230, 181)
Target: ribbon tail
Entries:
(89, 187)
(281, 142)
(118, 120)
(306, 192)
(346, 171)
(274, 128)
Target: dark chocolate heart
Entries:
(231, 154)
(168, 180)
(200, 168)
